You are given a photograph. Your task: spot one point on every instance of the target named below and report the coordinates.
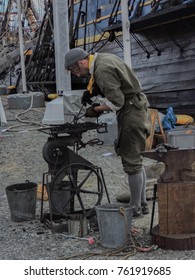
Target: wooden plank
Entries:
(176, 207)
(162, 207)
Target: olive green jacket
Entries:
(115, 79)
(120, 86)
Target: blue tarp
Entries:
(169, 120)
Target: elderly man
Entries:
(119, 86)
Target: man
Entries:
(121, 89)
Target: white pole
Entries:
(21, 46)
(61, 39)
(126, 32)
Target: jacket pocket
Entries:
(140, 101)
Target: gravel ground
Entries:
(21, 160)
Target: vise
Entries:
(178, 162)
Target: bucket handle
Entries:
(122, 212)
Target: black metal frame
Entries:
(72, 162)
(153, 207)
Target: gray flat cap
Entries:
(73, 56)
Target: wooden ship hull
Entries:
(162, 46)
(162, 42)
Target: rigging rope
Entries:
(76, 28)
(114, 14)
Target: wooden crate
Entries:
(176, 207)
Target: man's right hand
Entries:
(86, 98)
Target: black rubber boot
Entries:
(145, 209)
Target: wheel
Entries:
(79, 189)
(55, 152)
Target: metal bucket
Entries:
(22, 201)
(59, 198)
(114, 221)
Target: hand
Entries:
(91, 112)
(86, 98)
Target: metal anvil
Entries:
(178, 162)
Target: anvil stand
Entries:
(176, 195)
(68, 178)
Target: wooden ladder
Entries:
(154, 116)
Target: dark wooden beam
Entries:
(158, 18)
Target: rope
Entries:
(114, 13)
(122, 212)
(124, 251)
(26, 122)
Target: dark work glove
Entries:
(91, 113)
(86, 98)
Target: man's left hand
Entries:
(91, 112)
